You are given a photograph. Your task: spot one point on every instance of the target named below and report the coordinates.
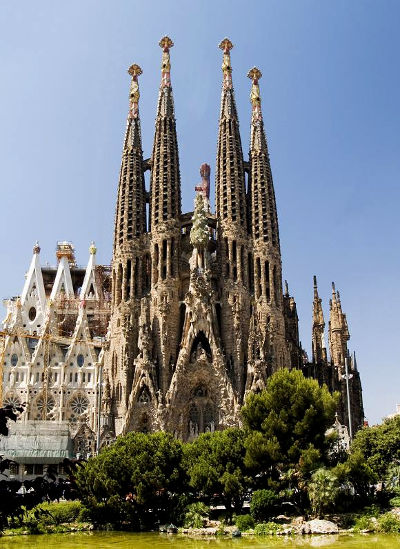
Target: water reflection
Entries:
(114, 540)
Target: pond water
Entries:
(105, 540)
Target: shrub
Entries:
(262, 504)
(244, 522)
(363, 523)
(57, 513)
(395, 502)
(266, 528)
(196, 514)
(388, 523)
(323, 490)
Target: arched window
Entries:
(200, 343)
(144, 396)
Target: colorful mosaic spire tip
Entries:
(134, 94)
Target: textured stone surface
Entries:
(317, 526)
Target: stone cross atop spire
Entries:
(226, 45)
(255, 74)
(166, 43)
(135, 71)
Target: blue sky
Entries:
(330, 91)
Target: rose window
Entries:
(42, 405)
(79, 404)
(12, 401)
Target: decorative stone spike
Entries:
(135, 71)
(166, 43)
(226, 45)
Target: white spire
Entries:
(89, 288)
(34, 281)
(63, 280)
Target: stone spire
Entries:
(265, 233)
(263, 212)
(130, 221)
(230, 177)
(338, 330)
(165, 189)
(318, 327)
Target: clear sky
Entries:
(330, 95)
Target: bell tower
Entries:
(129, 260)
(267, 265)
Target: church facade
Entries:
(190, 317)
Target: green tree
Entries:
(323, 490)
(137, 481)
(215, 465)
(356, 477)
(380, 446)
(262, 505)
(196, 515)
(287, 422)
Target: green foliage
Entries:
(395, 502)
(196, 514)
(214, 463)
(363, 523)
(379, 445)
(136, 481)
(58, 513)
(388, 523)
(323, 490)
(288, 418)
(244, 522)
(357, 474)
(48, 517)
(262, 504)
(266, 528)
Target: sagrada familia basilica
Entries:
(190, 317)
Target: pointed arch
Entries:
(144, 395)
(201, 342)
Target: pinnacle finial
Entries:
(165, 44)
(286, 289)
(135, 70)
(204, 186)
(255, 74)
(315, 287)
(92, 248)
(134, 94)
(36, 248)
(226, 45)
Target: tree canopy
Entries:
(287, 422)
(137, 479)
(215, 465)
(380, 445)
